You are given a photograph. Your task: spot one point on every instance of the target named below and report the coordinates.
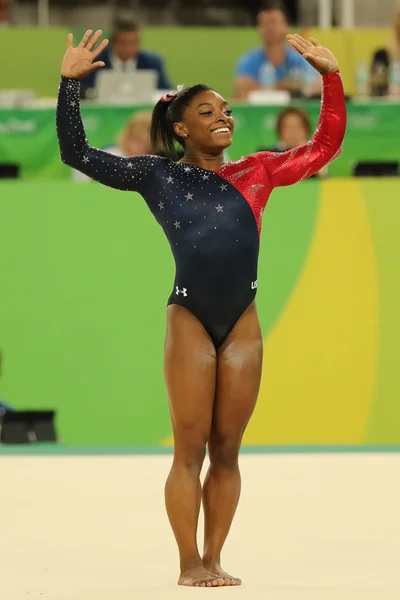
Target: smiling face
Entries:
(207, 122)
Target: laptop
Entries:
(135, 87)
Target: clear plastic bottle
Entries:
(268, 76)
(362, 79)
(394, 78)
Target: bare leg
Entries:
(238, 382)
(190, 373)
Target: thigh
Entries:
(239, 368)
(190, 375)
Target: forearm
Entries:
(70, 131)
(295, 165)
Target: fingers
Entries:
(100, 49)
(70, 41)
(91, 43)
(96, 65)
(85, 39)
(315, 43)
(294, 42)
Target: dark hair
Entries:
(124, 26)
(299, 112)
(165, 114)
(274, 5)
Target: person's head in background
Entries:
(125, 39)
(273, 24)
(5, 12)
(134, 139)
(293, 128)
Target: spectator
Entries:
(385, 68)
(5, 10)
(293, 128)
(124, 54)
(289, 69)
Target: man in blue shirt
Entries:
(275, 64)
(124, 54)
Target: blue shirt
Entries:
(252, 63)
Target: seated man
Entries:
(124, 54)
(289, 70)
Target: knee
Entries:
(224, 452)
(190, 451)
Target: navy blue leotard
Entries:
(211, 219)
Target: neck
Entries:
(275, 52)
(209, 162)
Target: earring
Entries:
(186, 136)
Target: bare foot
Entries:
(217, 570)
(199, 577)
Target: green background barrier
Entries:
(28, 137)
(86, 273)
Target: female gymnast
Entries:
(211, 213)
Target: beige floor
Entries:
(323, 527)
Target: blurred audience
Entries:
(385, 68)
(5, 13)
(275, 65)
(293, 128)
(124, 54)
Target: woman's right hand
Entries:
(79, 62)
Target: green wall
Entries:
(86, 273)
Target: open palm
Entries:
(320, 58)
(80, 61)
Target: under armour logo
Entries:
(183, 291)
(254, 285)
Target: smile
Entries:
(221, 130)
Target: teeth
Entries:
(221, 130)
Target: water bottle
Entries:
(362, 80)
(394, 78)
(268, 76)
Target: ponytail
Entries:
(169, 110)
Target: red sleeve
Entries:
(286, 168)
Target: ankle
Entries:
(190, 562)
(211, 558)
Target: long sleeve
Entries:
(287, 168)
(130, 174)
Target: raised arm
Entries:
(120, 173)
(287, 168)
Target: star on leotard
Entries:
(73, 104)
(223, 187)
(161, 205)
(129, 165)
(85, 159)
(177, 224)
(205, 177)
(189, 196)
(187, 169)
(170, 179)
(219, 208)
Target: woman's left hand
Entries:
(320, 58)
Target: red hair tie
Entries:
(170, 96)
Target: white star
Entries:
(187, 169)
(189, 197)
(129, 165)
(219, 208)
(206, 177)
(161, 205)
(73, 104)
(85, 159)
(170, 179)
(177, 224)
(223, 187)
